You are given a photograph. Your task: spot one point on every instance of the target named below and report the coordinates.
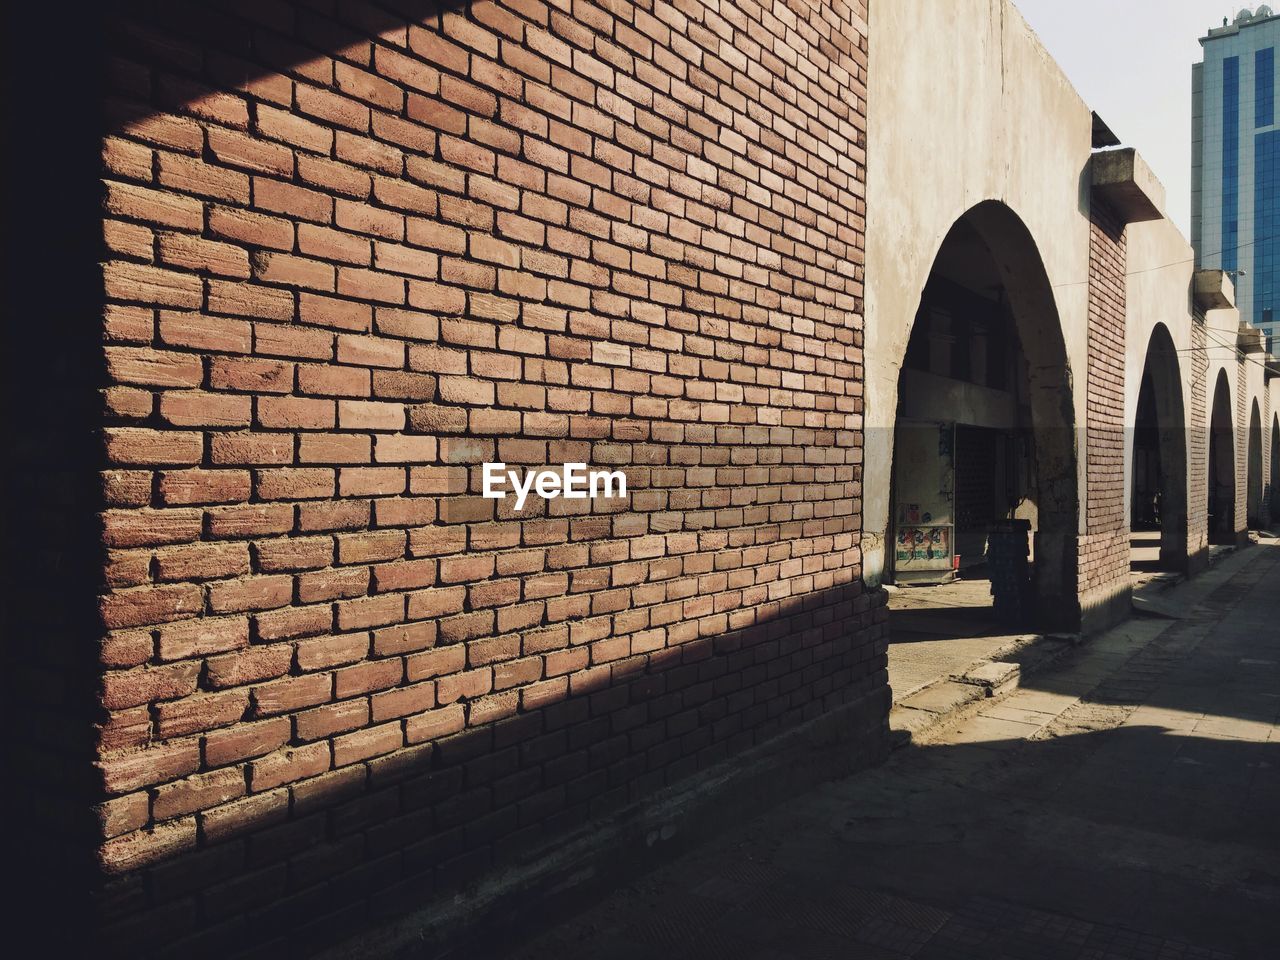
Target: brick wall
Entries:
(1240, 392)
(1104, 549)
(348, 258)
(1198, 446)
(1268, 464)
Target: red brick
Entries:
(282, 696)
(204, 332)
(288, 766)
(137, 445)
(257, 229)
(143, 847)
(245, 740)
(198, 793)
(140, 283)
(194, 253)
(153, 368)
(334, 718)
(154, 206)
(196, 177)
(330, 312)
(435, 724)
(235, 149)
(250, 665)
(403, 701)
(202, 561)
(148, 605)
(250, 374)
(200, 713)
(157, 763)
(286, 198)
(180, 487)
(363, 744)
(367, 677)
(321, 652)
(250, 300)
(196, 408)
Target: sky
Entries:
(1130, 60)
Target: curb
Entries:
(935, 707)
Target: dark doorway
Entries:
(1253, 505)
(984, 443)
(1275, 466)
(1158, 493)
(1222, 466)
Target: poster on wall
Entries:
(924, 500)
(924, 543)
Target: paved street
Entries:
(1123, 804)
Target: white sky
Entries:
(1131, 62)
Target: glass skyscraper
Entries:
(1235, 163)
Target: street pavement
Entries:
(1123, 804)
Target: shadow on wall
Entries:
(374, 839)
(53, 366)
(493, 821)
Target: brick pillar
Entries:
(1198, 448)
(1104, 554)
(1241, 447)
(1266, 512)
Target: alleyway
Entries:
(1122, 804)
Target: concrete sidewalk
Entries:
(1123, 804)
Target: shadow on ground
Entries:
(1122, 806)
(979, 850)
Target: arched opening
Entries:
(1253, 502)
(1158, 492)
(983, 478)
(1275, 467)
(1222, 466)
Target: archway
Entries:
(984, 440)
(1158, 492)
(1253, 501)
(1275, 468)
(1222, 466)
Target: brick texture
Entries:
(1198, 444)
(1104, 547)
(1269, 465)
(1240, 391)
(348, 257)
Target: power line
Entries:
(1176, 263)
(1234, 348)
(1240, 354)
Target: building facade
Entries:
(285, 680)
(1235, 178)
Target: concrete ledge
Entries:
(926, 712)
(1251, 339)
(1213, 290)
(567, 869)
(1123, 179)
(994, 677)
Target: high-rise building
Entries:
(1235, 161)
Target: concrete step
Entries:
(936, 706)
(993, 678)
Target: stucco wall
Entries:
(999, 91)
(1160, 269)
